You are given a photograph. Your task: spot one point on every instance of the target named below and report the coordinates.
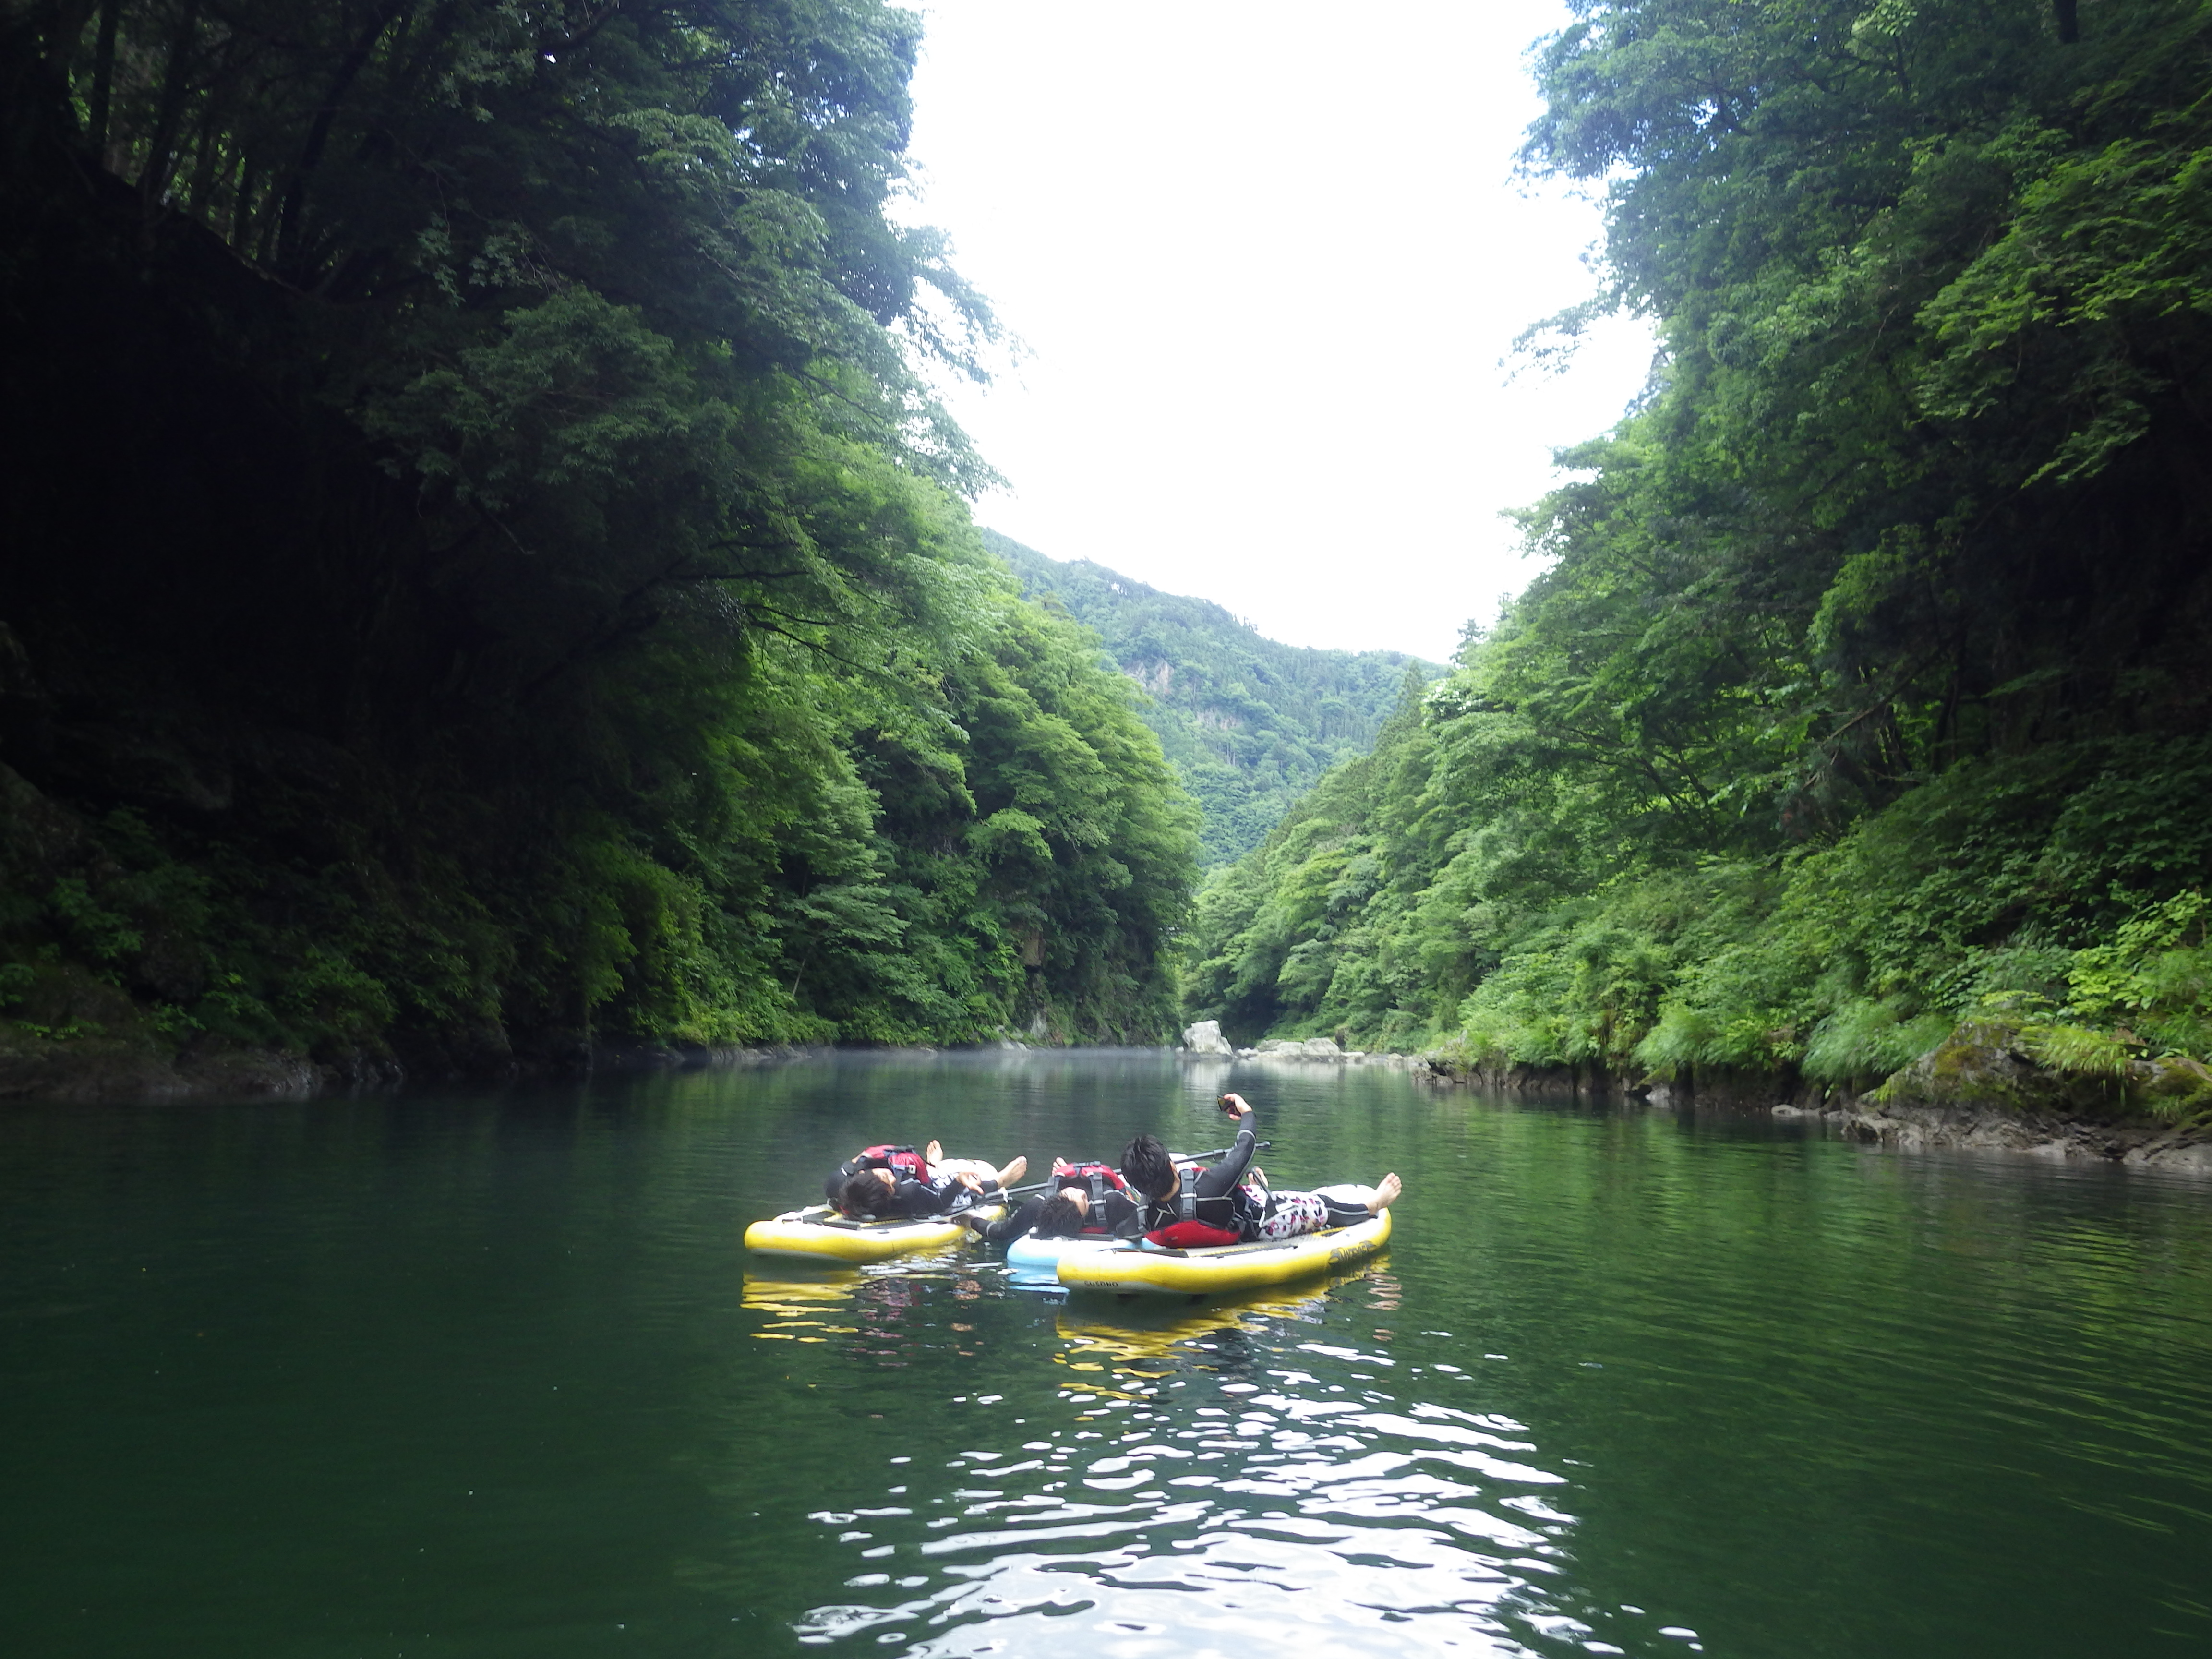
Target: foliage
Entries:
(1862, 692)
(2154, 981)
(1249, 724)
(540, 610)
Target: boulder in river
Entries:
(1295, 1049)
(1206, 1038)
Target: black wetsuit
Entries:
(919, 1200)
(1215, 1193)
(1118, 1210)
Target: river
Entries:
(492, 1375)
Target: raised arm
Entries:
(923, 1200)
(1223, 1177)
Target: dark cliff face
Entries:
(194, 546)
(213, 666)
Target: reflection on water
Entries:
(493, 1377)
(805, 1310)
(1201, 1476)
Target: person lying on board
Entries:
(900, 1160)
(1084, 1200)
(1189, 1206)
(926, 1164)
(942, 1186)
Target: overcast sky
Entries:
(1265, 259)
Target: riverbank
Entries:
(1973, 1095)
(1975, 1089)
(1970, 1092)
(105, 1052)
(123, 1058)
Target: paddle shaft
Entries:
(1180, 1158)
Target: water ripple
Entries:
(1198, 1485)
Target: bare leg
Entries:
(1350, 1202)
(979, 1169)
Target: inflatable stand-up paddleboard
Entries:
(1128, 1269)
(1030, 1258)
(818, 1233)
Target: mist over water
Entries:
(493, 1375)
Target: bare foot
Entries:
(933, 1153)
(1014, 1171)
(1386, 1194)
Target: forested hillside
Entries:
(1249, 723)
(1865, 700)
(484, 576)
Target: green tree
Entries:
(542, 610)
(1859, 695)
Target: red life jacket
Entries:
(899, 1160)
(1097, 1180)
(1190, 1233)
(1192, 1236)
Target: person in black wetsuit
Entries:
(1085, 1200)
(900, 1160)
(1189, 1205)
(900, 1187)
(926, 1164)
(889, 1196)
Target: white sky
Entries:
(1265, 259)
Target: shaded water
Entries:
(493, 1376)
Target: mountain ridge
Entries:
(1249, 722)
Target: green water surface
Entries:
(492, 1375)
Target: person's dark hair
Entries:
(832, 1185)
(863, 1194)
(1146, 1166)
(1058, 1218)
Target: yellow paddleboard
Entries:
(820, 1233)
(1129, 1269)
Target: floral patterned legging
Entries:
(1288, 1214)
